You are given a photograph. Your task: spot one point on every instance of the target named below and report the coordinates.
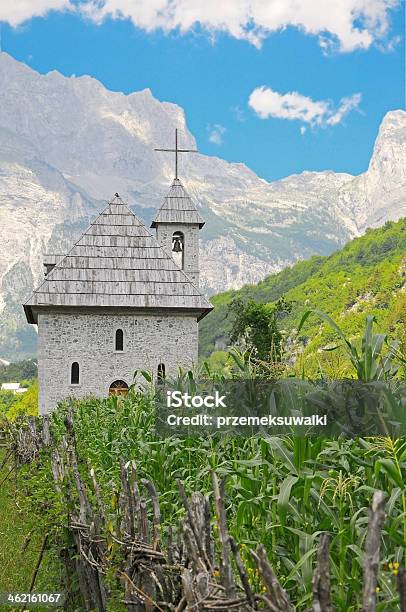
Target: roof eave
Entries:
(29, 314)
(155, 223)
(205, 313)
(32, 314)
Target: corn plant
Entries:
(374, 359)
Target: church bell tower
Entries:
(178, 222)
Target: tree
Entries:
(19, 371)
(256, 325)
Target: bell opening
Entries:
(178, 247)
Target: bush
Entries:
(7, 400)
(24, 403)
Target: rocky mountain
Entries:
(67, 144)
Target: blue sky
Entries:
(281, 99)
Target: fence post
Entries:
(321, 577)
(402, 588)
(372, 545)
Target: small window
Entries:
(119, 340)
(74, 373)
(161, 373)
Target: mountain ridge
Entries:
(67, 144)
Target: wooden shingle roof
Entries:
(178, 207)
(117, 263)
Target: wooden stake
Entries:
(401, 580)
(156, 521)
(243, 574)
(276, 593)
(372, 545)
(192, 523)
(37, 566)
(321, 577)
(225, 565)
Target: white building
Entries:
(14, 387)
(120, 300)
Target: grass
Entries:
(20, 545)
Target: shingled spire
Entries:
(177, 207)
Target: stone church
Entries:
(121, 300)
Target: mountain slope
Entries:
(67, 144)
(367, 276)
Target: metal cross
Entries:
(176, 150)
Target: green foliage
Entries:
(256, 325)
(12, 404)
(216, 327)
(218, 362)
(397, 326)
(21, 540)
(7, 399)
(19, 371)
(366, 276)
(282, 491)
(369, 360)
(25, 404)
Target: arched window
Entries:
(161, 373)
(74, 373)
(119, 340)
(178, 248)
(118, 387)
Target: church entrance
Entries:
(118, 387)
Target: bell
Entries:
(177, 246)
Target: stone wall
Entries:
(89, 339)
(190, 231)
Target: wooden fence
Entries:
(197, 566)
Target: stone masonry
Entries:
(190, 232)
(89, 339)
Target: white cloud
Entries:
(342, 24)
(216, 133)
(346, 105)
(16, 12)
(269, 103)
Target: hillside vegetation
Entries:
(19, 371)
(367, 276)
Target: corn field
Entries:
(143, 522)
(258, 523)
